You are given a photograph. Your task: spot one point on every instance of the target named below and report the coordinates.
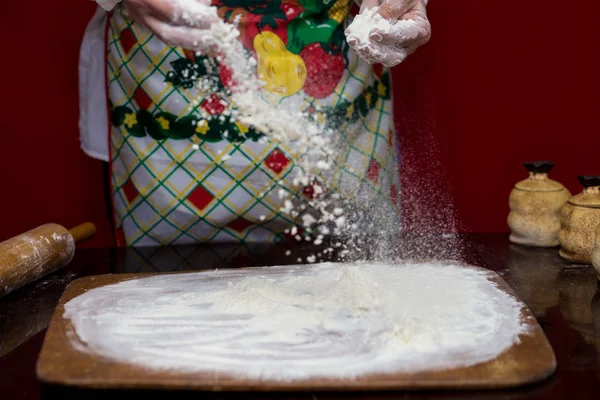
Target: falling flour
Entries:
(293, 323)
(310, 143)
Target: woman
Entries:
(182, 171)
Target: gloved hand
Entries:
(182, 23)
(388, 31)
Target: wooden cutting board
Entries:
(61, 363)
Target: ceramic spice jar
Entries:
(535, 204)
(580, 217)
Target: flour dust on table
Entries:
(299, 322)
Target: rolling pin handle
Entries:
(83, 232)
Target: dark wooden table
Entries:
(564, 298)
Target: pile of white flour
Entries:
(290, 323)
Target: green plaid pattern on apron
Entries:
(183, 173)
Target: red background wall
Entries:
(499, 84)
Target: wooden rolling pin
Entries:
(39, 252)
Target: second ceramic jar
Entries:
(535, 204)
(580, 218)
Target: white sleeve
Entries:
(93, 119)
(108, 4)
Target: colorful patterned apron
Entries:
(184, 173)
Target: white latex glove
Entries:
(179, 23)
(388, 31)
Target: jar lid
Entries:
(590, 197)
(538, 180)
(540, 167)
(589, 181)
